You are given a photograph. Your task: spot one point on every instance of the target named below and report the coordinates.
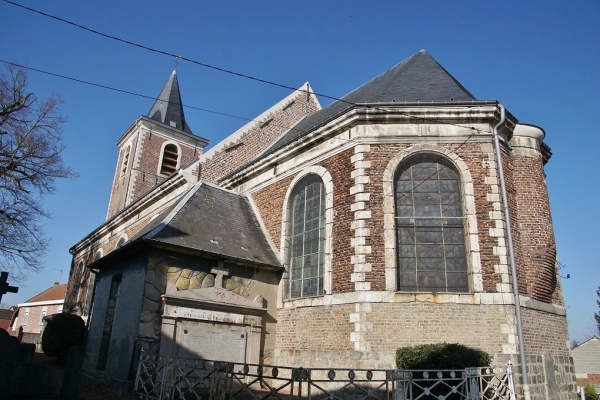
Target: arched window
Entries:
(307, 237)
(430, 224)
(170, 159)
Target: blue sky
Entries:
(539, 58)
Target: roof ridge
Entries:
(42, 292)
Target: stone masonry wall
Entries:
(188, 273)
(305, 332)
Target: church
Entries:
(327, 237)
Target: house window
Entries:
(430, 233)
(307, 238)
(26, 317)
(44, 312)
(170, 158)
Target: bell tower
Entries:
(153, 148)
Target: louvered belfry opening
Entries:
(169, 160)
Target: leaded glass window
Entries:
(430, 226)
(307, 238)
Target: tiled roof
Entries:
(6, 314)
(214, 221)
(56, 292)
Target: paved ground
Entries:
(88, 388)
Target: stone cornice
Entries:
(371, 114)
(163, 130)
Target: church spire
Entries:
(168, 108)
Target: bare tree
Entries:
(30, 162)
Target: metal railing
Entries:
(184, 379)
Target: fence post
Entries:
(472, 375)
(401, 381)
(511, 383)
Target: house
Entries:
(586, 358)
(6, 317)
(28, 319)
(327, 237)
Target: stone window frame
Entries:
(474, 272)
(162, 157)
(26, 317)
(125, 161)
(325, 177)
(122, 239)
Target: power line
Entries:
(122, 90)
(224, 70)
(166, 53)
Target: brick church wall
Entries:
(243, 149)
(321, 332)
(270, 200)
(536, 245)
(146, 176)
(142, 169)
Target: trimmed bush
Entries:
(441, 356)
(62, 331)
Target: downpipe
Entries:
(511, 254)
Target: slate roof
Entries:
(168, 106)
(419, 78)
(214, 221)
(56, 292)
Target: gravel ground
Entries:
(88, 388)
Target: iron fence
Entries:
(184, 379)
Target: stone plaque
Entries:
(210, 343)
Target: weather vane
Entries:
(176, 61)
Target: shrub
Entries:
(441, 356)
(590, 392)
(62, 331)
